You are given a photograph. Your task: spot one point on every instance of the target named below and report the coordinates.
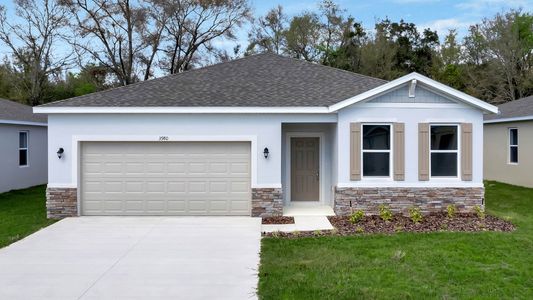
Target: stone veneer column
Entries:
(401, 199)
(267, 202)
(61, 202)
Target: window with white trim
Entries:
(444, 150)
(513, 145)
(376, 150)
(23, 148)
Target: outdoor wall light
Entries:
(60, 153)
(265, 152)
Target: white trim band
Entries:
(181, 110)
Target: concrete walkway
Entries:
(301, 223)
(135, 258)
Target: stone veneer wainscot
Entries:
(61, 202)
(267, 202)
(401, 199)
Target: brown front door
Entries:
(305, 169)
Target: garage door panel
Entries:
(189, 178)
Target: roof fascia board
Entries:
(172, 110)
(15, 122)
(420, 78)
(515, 119)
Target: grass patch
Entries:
(22, 212)
(442, 265)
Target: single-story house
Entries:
(23, 147)
(509, 143)
(251, 136)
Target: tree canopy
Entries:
(65, 48)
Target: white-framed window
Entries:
(444, 150)
(23, 148)
(513, 145)
(376, 150)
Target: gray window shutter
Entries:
(423, 151)
(399, 151)
(355, 151)
(466, 151)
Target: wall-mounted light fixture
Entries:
(265, 152)
(60, 153)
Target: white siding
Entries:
(11, 175)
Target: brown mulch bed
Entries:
(278, 220)
(430, 223)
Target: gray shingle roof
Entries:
(14, 111)
(517, 108)
(262, 80)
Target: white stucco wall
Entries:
(13, 176)
(264, 130)
(411, 116)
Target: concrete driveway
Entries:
(135, 258)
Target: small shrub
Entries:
(479, 212)
(444, 227)
(385, 213)
(296, 233)
(359, 229)
(398, 228)
(317, 233)
(276, 234)
(452, 211)
(357, 216)
(334, 231)
(415, 215)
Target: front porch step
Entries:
(306, 210)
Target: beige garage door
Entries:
(167, 178)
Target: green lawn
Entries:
(486, 265)
(22, 212)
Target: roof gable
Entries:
(416, 78)
(421, 95)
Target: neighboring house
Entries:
(509, 143)
(251, 136)
(23, 147)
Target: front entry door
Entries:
(305, 170)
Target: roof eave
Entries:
(513, 119)
(18, 122)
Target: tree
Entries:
(193, 25)
(334, 28)
(121, 35)
(33, 42)
(303, 37)
(267, 33)
(499, 59)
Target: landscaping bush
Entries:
(451, 210)
(415, 215)
(479, 212)
(385, 213)
(357, 216)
